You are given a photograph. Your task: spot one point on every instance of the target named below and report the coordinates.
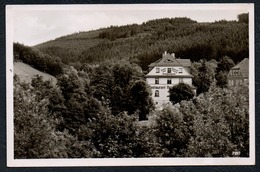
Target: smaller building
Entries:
(238, 75)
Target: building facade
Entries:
(165, 73)
(238, 75)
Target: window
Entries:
(156, 93)
(236, 72)
(157, 70)
(180, 70)
(169, 70)
(240, 81)
(169, 81)
(156, 80)
(180, 80)
(230, 82)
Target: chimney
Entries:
(164, 54)
(173, 55)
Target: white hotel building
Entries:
(165, 73)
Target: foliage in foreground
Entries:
(215, 124)
(34, 127)
(67, 121)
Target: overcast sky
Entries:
(32, 25)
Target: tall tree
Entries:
(141, 94)
(80, 106)
(224, 65)
(35, 134)
(171, 132)
(111, 83)
(206, 77)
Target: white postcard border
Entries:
(11, 162)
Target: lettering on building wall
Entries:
(158, 87)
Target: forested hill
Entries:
(145, 43)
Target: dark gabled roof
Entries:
(170, 60)
(154, 63)
(184, 62)
(243, 66)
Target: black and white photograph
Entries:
(130, 85)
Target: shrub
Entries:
(180, 92)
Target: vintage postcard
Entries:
(130, 85)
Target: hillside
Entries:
(35, 58)
(26, 72)
(144, 43)
(71, 46)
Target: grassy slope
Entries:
(26, 72)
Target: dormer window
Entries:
(236, 72)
